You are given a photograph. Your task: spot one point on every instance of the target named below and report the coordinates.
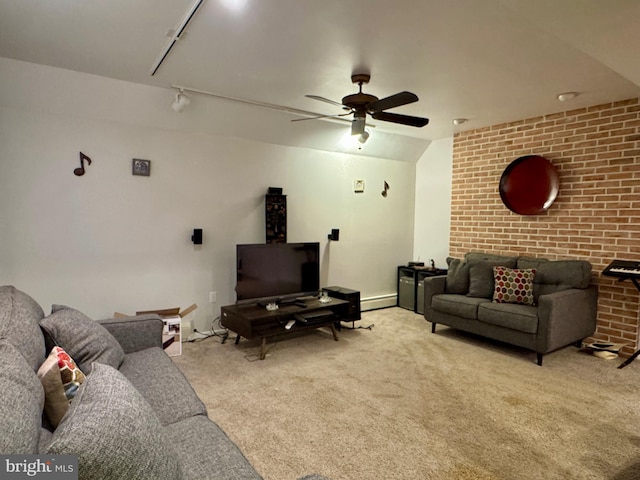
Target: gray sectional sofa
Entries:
(135, 416)
(559, 310)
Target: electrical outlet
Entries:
(212, 297)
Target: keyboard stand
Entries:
(637, 352)
(634, 280)
(630, 359)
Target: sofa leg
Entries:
(433, 327)
(539, 355)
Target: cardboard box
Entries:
(171, 312)
(172, 331)
(172, 335)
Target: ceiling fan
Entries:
(360, 104)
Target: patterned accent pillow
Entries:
(513, 285)
(61, 378)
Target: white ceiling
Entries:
(491, 61)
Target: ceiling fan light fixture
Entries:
(364, 136)
(354, 142)
(181, 102)
(358, 123)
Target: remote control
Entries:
(300, 303)
(290, 324)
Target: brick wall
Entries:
(596, 216)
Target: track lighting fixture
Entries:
(181, 101)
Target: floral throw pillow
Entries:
(513, 285)
(61, 378)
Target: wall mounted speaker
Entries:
(196, 238)
(334, 235)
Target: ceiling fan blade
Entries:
(357, 125)
(401, 119)
(316, 117)
(326, 100)
(397, 100)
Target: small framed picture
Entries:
(358, 186)
(141, 167)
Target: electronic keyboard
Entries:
(623, 269)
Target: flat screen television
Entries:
(277, 271)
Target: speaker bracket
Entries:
(196, 238)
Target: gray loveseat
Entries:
(562, 310)
(135, 416)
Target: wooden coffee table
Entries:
(251, 320)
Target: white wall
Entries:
(433, 203)
(109, 241)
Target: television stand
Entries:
(251, 320)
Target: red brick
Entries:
(596, 216)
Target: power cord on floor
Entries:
(204, 336)
(220, 332)
(368, 327)
(253, 357)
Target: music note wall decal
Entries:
(80, 170)
(386, 189)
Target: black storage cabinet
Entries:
(411, 286)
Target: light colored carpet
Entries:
(398, 402)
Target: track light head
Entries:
(180, 103)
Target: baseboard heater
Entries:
(379, 301)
